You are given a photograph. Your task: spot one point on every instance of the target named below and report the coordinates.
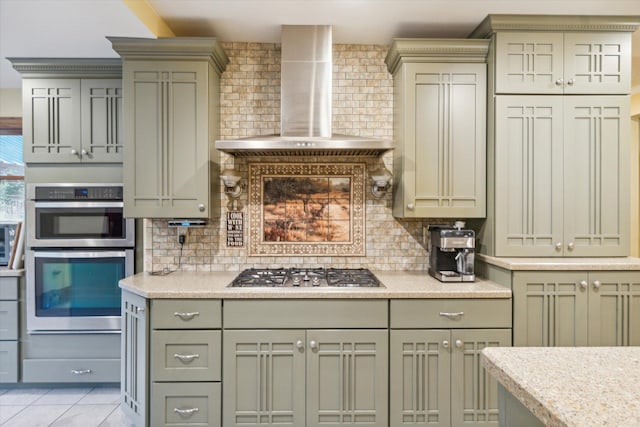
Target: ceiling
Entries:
(77, 28)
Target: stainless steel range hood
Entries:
(305, 104)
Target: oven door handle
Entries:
(76, 204)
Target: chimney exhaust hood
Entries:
(305, 104)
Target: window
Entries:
(11, 170)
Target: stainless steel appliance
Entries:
(79, 246)
(77, 215)
(306, 277)
(7, 233)
(452, 253)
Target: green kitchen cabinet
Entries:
(435, 374)
(72, 110)
(576, 308)
(9, 329)
(331, 370)
(172, 105)
(563, 62)
(439, 127)
(134, 382)
(561, 176)
(305, 377)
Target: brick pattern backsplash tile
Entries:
(250, 105)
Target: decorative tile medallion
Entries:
(306, 209)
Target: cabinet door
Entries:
(166, 165)
(51, 113)
(419, 371)
(134, 348)
(550, 309)
(614, 308)
(528, 176)
(347, 379)
(597, 63)
(474, 392)
(596, 152)
(529, 63)
(445, 140)
(264, 378)
(102, 139)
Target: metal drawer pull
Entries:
(187, 316)
(80, 371)
(186, 357)
(453, 316)
(189, 411)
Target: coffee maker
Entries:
(452, 253)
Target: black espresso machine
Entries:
(452, 253)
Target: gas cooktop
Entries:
(306, 277)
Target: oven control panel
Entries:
(78, 193)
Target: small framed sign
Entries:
(235, 229)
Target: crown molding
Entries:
(435, 50)
(68, 67)
(172, 48)
(610, 23)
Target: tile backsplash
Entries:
(250, 105)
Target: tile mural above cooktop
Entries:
(307, 209)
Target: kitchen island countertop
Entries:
(562, 264)
(397, 284)
(571, 386)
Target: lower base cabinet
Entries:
(437, 379)
(305, 378)
(185, 404)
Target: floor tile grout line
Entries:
(14, 415)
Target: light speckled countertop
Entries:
(182, 284)
(571, 386)
(621, 263)
(7, 272)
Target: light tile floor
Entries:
(61, 407)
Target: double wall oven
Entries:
(79, 245)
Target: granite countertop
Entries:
(7, 272)
(183, 284)
(571, 386)
(620, 263)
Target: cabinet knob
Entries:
(299, 344)
(201, 207)
(570, 82)
(313, 344)
(559, 246)
(459, 343)
(445, 344)
(596, 284)
(73, 152)
(559, 82)
(583, 284)
(410, 206)
(571, 246)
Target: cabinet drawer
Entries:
(186, 404)
(185, 355)
(9, 288)
(451, 313)
(186, 314)
(8, 320)
(8, 362)
(306, 314)
(70, 370)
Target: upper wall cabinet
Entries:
(72, 110)
(172, 91)
(439, 127)
(563, 63)
(560, 54)
(558, 135)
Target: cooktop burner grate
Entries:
(304, 277)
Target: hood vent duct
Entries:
(305, 104)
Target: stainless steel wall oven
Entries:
(79, 245)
